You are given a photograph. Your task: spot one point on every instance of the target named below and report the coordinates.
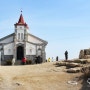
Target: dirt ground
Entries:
(46, 76)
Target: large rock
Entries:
(72, 65)
(73, 70)
(77, 61)
(61, 63)
(84, 54)
(82, 61)
(81, 54)
(88, 60)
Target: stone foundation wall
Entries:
(8, 57)
(31, 57)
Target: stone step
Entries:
(18, 62)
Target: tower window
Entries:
(21, 36)
(20, 27)
(18, 36)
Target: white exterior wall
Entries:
(33, 39)
(20, 30)
(9, 49)
(7, 40)
(30, 49)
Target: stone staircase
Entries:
(18, 62)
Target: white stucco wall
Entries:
(33, 39)
(30, 49)
(7, 40)
(9, 49)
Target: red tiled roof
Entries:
(21, 21)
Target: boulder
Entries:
(73, 70)
(82, 61)
(72, 65)
(88, 60)
(86, 57)
(61, 63)
(84, 54)
(77, 61)
(81, 54)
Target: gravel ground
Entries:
(44, 76)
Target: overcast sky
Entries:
(65, 24)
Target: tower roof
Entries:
(21, 21)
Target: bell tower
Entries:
(20, 37)
(21, 30)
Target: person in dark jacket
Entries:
(66, 55)
(57, 58)
(36, 60)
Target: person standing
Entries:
(39, 59)
(36, 60)
(57, 58)
(24, 61)
(13, 61)
(52, 59)
(49, 59)
(66, 55)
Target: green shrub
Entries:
(28, 61)
(8, 62)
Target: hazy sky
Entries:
(65, 24)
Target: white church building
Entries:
(21, 44)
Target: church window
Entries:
(9, 50)
(18, 36)
(21, 36)
(30, 50)
(39, 51)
